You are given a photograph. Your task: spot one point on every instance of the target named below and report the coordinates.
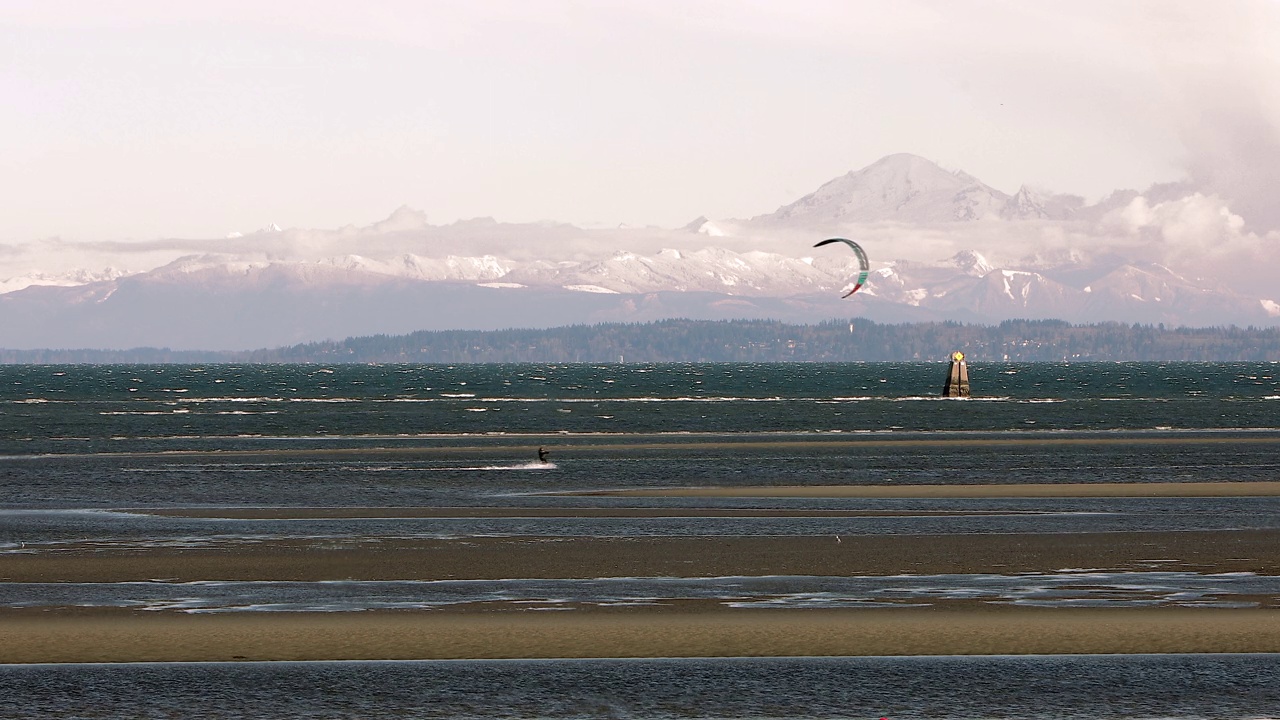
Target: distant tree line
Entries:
(740, 341)
(135, 356)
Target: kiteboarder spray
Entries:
(957, 377)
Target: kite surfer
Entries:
(542, 455)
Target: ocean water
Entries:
(88, 453)
(1065, 687)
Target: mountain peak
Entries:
(972, 263)
(401, 219)
(704, 226)
(1026, 204)
(693, 225)
(905, 160)
(901, 188)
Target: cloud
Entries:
(148, 118)
(1221, 65)
(1195, 224)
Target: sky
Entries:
(145, 119)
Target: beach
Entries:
(129, 636)
(662, 628)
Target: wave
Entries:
(531, 465)
(175, 411)
(224, 399)
(453, 398)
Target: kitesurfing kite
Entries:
(862, 261)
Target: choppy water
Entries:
(86, 409)
(80, 444)
(1067, 687)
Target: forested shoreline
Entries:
(854, 340)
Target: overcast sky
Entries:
(140, 119)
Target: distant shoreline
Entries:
(734, 341)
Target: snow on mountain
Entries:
(1153, 284)
(900, 188)
(943, 245)
(216, 273)
(1026, 294)
(1025, 205)
(705, 270)
(971, 262)
(417, 267)
(67, 279)
(1028, 204)
(270, 228)
(705, 227)
(710, 228)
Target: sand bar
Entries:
(674, 629)
(495, 558)
(131, 636)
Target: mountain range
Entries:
(943, 245)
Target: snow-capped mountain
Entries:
(943, 245)
(70, 278)
(1028, 204)
(902, 188)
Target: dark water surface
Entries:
(87, 451)
(1083, 686)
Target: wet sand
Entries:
(669, 629)
(130, 636)
(490, 558)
